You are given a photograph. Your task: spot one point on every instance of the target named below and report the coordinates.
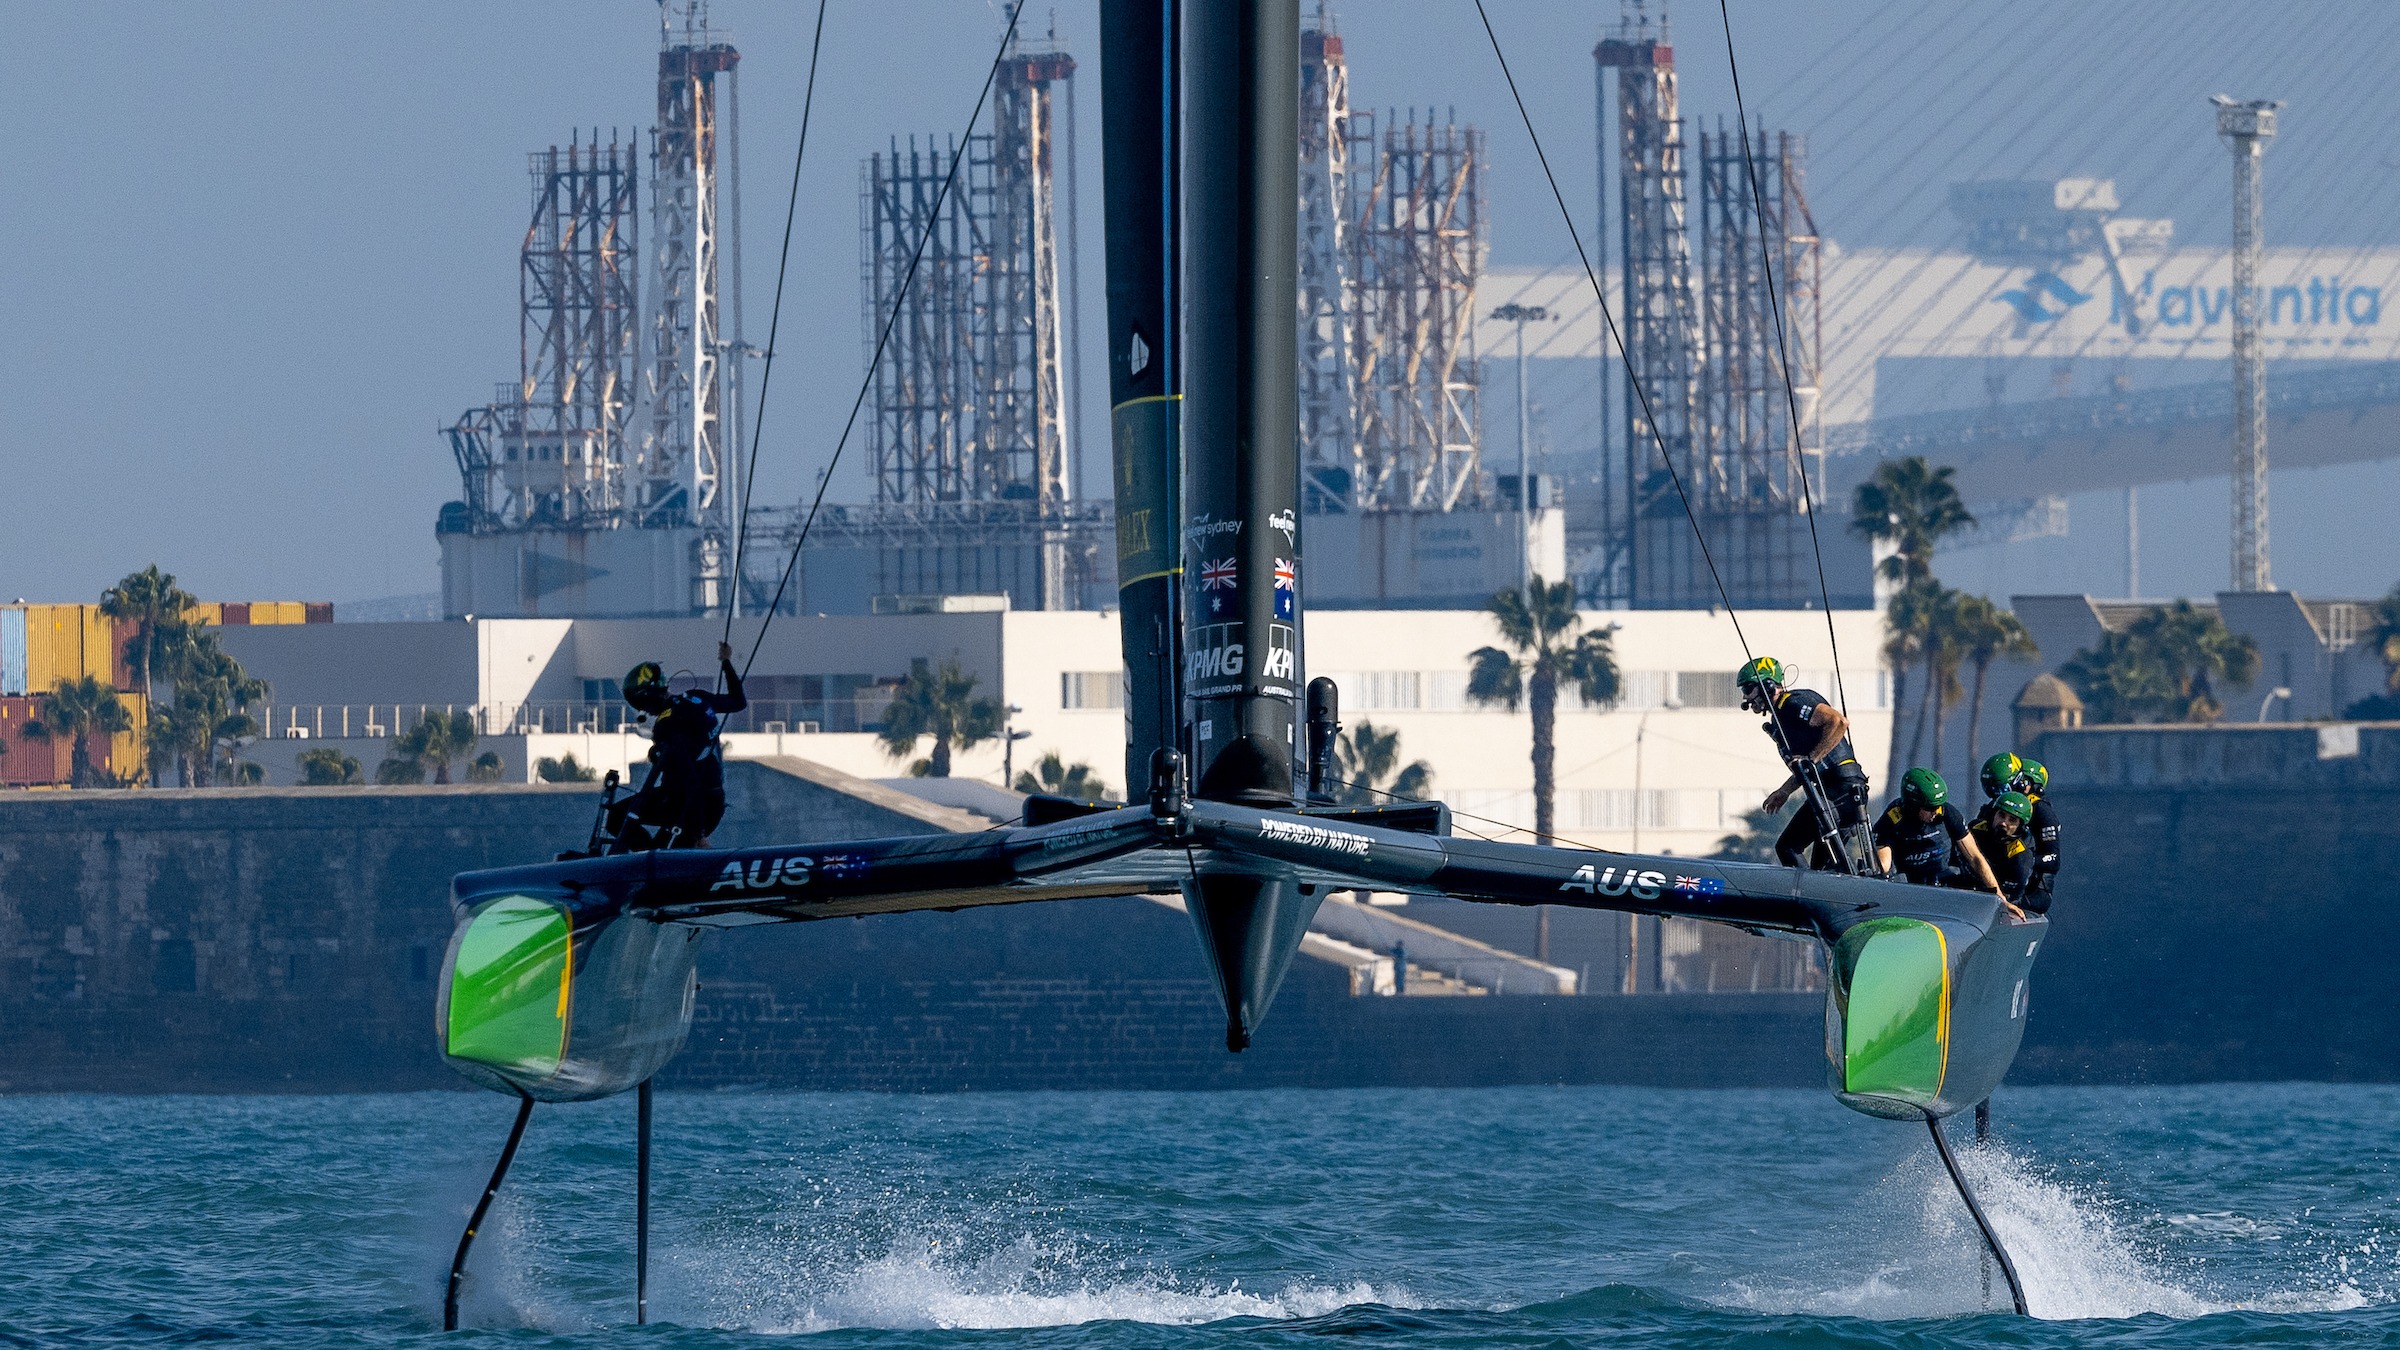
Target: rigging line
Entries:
(1783, 356)
(1632, 378)
(933, 220)
(766, 374)
(1557, 840)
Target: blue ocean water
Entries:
(2182, 1216)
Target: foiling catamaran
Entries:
(574, 980)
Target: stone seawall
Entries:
(2227, 908)
(2225, 915)
(242, 940)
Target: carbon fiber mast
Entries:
(1241, 471)
(1141, 164)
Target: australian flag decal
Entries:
(1285, 588)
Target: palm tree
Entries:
(1364, 757)
(1907, 626)
(438, 739)
(328, 767)
(1755, 840)
(1053, 775)
(208, 708)
(939, 702)
(2164, 666)
(487, 768)
(1912, 506)
(1545, 634)
(158, 608)
(74, 712)
(565, 771)
(2197, 651)
(1944, 654)
(396, 770)
(1988, 633)
(2383, 638)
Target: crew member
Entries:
(1916, 836)
(2000, 773)
(2002, 836)
(684, 798)
(2033, 780)
(1807, 731)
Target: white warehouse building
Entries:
(1672, 765)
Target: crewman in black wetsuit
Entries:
(2002, 836)
(1915, 838)
(684, 797)
(2034, 781)
(1806, 729)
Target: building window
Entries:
(1648, 809)
(1642, 690)
(1091, 689)
(1706, 689)
(1386, 691)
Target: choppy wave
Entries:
(2173, 1218)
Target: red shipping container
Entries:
(318, 612)
(235, 614)
(123, 632)
(30, 761)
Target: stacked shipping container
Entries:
(41, 645)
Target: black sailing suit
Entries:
(2011, 857)
(684, 797)
(1921, 849)
(1845, 782)
(2043, 833)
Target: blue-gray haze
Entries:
(260, 252)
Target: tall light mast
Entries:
(2246, 128)
(681, 470)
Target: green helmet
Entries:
(2032, 779)
(2000, 772)
(1924, 788)
(2016, 804)
(1761, 670)
(645, 686)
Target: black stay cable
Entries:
(1783, 354)
(1632, 377)
(1803, 768)
(933, 220)
(766, 373)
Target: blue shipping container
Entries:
(12, 653)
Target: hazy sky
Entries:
(261, 252)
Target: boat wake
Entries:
(919, 1287)
(2080, 1254)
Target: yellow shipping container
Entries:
(99, 645)
(208, 612)
(125, 747)
(52, 647)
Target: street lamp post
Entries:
(1521, 315)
